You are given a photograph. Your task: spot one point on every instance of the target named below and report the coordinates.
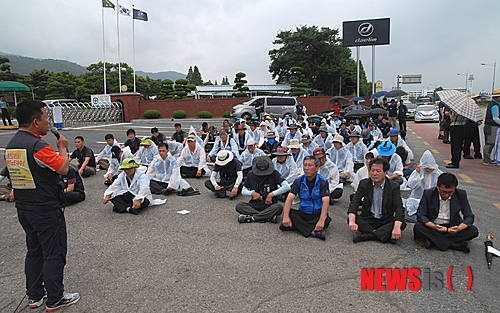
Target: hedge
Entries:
(151, 114)
(227, 114)
(179, 114)
(204, 114)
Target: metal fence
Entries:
(86, 114)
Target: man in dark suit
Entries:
(438, 216)
(382, 213)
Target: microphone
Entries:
(55, 132)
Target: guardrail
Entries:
(79, 114)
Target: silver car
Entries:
(426, 113)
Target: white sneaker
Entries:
(67, 299)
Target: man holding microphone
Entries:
(34, 168)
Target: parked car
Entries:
(411, 111)
(277, 106)
(426, 113)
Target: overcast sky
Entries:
(437, 39)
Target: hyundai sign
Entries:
(366, 32)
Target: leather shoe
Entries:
(469, 157)
(460, 246)
(427, 244)
(478, 156)
(446, 142)
(360, 236)
(274, 219)
(451, 165)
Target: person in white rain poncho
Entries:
(285, 165)
(223, 143)
(292, 133)
(357, 149)
(308, 145)
(164, 173)
(250, 153)
(192, 160)
(192, 132)
(241, 138)
(147, 153)
(341, 157)
(324, 139)
(117, 157)
(298, 154)
(130, 191)
(281, 129)
(424, 177)
(330, 172)
(103, 158)
(388, 151)
(175, 148)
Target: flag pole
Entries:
(103, 50)
(133, 42)
(119, 65)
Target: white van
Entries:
(275, 105)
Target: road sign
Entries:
(412, 79)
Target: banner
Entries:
(140, 15)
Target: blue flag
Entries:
(140, 15)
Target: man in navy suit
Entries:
(382, 213)
(438, 215)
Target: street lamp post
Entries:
(466, 81)
(494, 69)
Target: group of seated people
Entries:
(301, 166)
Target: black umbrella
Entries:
(342, 101)
(378, 111)
(357, 113)
(395, 93)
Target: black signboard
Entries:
(366, 32)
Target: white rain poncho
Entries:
(299, 159)
(342, 158)
(289, 136)
(196, 159)
(395, 165)
(331, 173)
(175, 148)
(167, 171)
(139, 187)
(288, 169)
(115, 163)
(325, 143)
(402, 143)
(246, 158)
(192, 131)
(146, 155)
(106, 152)
(357, 151)
(418, 182)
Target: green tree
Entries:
(148, 87)
(225, 81)
(39, 80)
(298, 81)
(6, 74)
(194, 76)
(326, 63)
(239, 84)
(166, 89)
(61, 85)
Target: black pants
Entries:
(6, 116)
(157, 186)
(443, 240)
(122, 202)
(305, 223)
(73, 197)
(222, 192)
(190, 172)
(377, 227)
(472, 136)
(46, 240)
(402, 123)
(259, 215)
(357, 166)
(457, 134)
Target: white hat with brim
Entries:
(294, 143)
(339, 138)
(223, 157)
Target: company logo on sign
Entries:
(365, 29)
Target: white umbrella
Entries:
(461, 104)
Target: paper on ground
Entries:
(183, 212)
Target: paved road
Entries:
(160, 261)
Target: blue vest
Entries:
(489, 117)
(311, 203)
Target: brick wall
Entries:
(135, 108)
